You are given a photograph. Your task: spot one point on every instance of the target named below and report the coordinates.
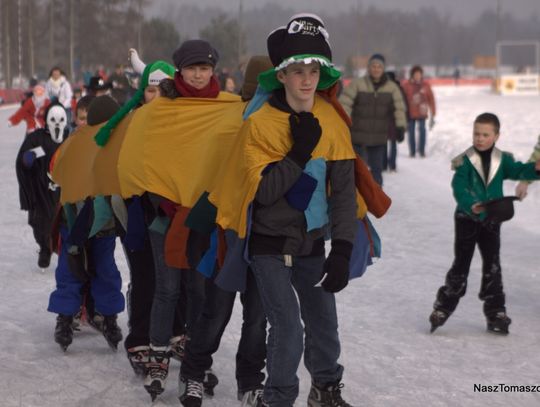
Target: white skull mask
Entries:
(56, 123)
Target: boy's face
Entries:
(80, 119)
(300, 80)
(151, 92)
(56, 74)
(484, 136)
(198, 75)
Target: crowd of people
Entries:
(297, 166)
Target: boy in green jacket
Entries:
(479, 175)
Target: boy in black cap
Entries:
(295, 130)
(479, 175)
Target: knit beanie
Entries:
(153, 74)
(101, 109)
(379, 58)
(193, 52)
(256, 65)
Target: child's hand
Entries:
(477, 208)
(521, 190)
(537, 165)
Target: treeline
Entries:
(83, 34)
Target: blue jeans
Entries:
(206, 337)
(375, 157)
(412, 136)
(392, 153)
(279, 286)
(167, 292)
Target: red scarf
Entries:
(186, 90)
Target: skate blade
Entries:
(153, 391)
(501, 332)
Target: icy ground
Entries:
(390, 358)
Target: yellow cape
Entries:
(174, 148)
(83, 169)
(265, 138)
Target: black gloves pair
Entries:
(400, 134)
(336, 266)
(306, 133)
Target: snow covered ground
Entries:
(390, 358)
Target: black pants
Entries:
(140, 296)
(251, 354)
(41, 223)
(468, 233)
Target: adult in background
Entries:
(120, 84)
(59, 89)
(421, 103)
(373, 102)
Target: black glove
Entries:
(305, 132)
(336, 266)
(400, 134)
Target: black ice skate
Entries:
(210, 381)
(191, 392)
(498, 323)
(44, 258)
(138, 357)
(437, 319)
(157, 370)
(63, 333)
(326, 395)
(111, 331)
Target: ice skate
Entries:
(498, 323)
(63, 333)
(437, 319)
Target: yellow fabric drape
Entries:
(174, 148)
(265, 138)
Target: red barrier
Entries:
(11, 95)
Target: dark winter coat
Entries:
(372, 109)
(36, 190)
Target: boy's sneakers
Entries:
(190, 392)
(178, 346)
(210, 381)
(252, 398)
(63, 332)
(498, 323)
(157, 370)
(138, 357)
(326, 395)
(437, 319)
(111, 331)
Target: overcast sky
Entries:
(457, 10)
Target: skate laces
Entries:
(194, 389)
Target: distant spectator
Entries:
(59, 89)
(32, 112)
(421, 103)
(120, 84)
(97, 86)
(229, 85)
(374, 102)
